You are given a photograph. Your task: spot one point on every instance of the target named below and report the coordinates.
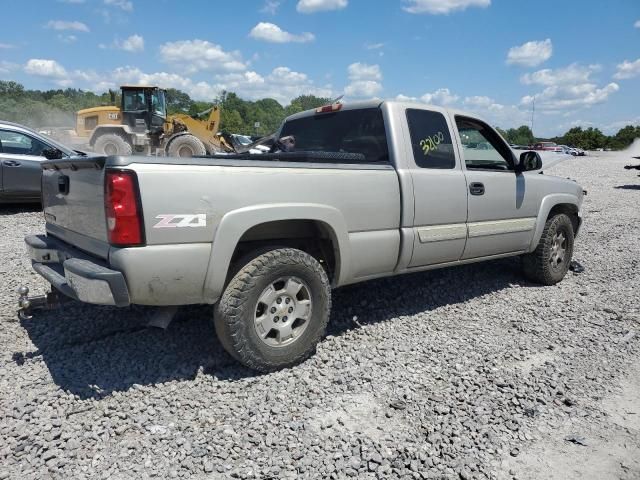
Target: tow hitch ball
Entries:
(27, 304)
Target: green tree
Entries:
(177, 101)
(305, 102)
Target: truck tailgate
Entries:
(73, 202)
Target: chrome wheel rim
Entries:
(283, 311)
(558, 250)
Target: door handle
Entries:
(11, 163)
(476, 188)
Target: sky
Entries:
(579, 59)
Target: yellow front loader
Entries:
(141, 125)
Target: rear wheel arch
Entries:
(239, 234)
(313, 237)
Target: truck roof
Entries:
(375, 103)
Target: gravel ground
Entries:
(468, 372)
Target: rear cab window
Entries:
(348, 131)
(430, 139)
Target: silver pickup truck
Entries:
(368, 190)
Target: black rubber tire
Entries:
(234, 312)
(115, 141)
(186, 146)
(537, 266)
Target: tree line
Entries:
(37, 108)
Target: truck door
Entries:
(503, 205)
(440, 190)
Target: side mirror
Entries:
(529, 161)
(52, 154)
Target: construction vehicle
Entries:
(141, 126)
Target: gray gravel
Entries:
(458, 373)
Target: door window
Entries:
(430, 139)
(482, 149)
(17, 143)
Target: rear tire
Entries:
(275, 310)
(549, 262)
(186, 146)
(113, 144)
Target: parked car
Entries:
(22, 151)
(367, 190)
(547, 146)
(580, 152)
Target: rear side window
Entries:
(430, 139)
(20, 144)
(350, 131)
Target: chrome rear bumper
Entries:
(76, 274)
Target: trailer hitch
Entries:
(27, 304)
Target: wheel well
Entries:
(106, 130)
(313, 237)
(568, 209)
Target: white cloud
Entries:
(494, 112)
(312, 6)
(574, 73)
(363, 88)
(626, 70)
(442, 7)
(558, 98)
(125, 5)
(282, 83)
(530, 54)
(134, 43)
(196, 55)
(363, 71)
(270, 7)
(365, 80)
(45, 68)
(8, 67)
(67, 38)
(401, 97)
(442, 96)
(272, 33)
(61, 25)
(637, 24)
(374, 46)
(6, 46)
(478, 101)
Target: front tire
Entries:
(186, 146)
(275, 310)
(549, 262)
(113, 144)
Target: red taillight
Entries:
(124, 218)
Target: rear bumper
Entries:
(76, 274)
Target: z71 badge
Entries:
(180, 221)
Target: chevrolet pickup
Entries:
(366, 190)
